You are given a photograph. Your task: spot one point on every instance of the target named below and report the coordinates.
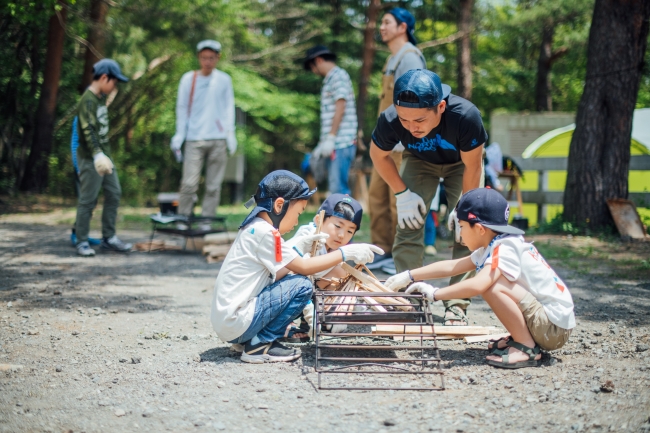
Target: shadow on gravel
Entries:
(219, 355)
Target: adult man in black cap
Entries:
(443, 136)
(338, 117)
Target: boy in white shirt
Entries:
(254, 297)
(342, 219)
(527, 296)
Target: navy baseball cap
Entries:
(279, 183)
(425, 84)
(488, 208)
(403, 16)
(313, 52)
(330, 203)
(110, 68)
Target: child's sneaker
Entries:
(84, 250)
(115, 244)
(268, 352)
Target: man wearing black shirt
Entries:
(443, 136)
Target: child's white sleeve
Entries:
(506, 257)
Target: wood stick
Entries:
(480, 338)
(319, 226)
(439, 330)
(364, 278)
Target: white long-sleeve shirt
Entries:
(212, 114)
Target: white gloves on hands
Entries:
(398, 281)
(303, 244)
(175, 145)
(231, 143)
(103, 164)
(452, 225)
(410, 208)
(360, 253)
(426, 289)
(325, 147)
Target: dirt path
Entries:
(124, 343)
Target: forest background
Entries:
(512, 55)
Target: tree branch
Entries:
(78, 38)
(275, 49)
(442, 41)
(557, 54)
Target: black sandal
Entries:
(503, 353)
(495, 344)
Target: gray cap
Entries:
(110, 68)
(208, 44)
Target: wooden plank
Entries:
(220, 238)
(479, 338)
(365, 279)
(216, 250)
(319, 227)
(440, 330)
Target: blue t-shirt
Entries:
(460, 130)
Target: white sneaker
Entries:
(115, 244)
(84, 250)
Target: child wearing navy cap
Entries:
(527, 296)
(342, 219)
(255, 298)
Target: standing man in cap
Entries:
(205, 121)
(95, 167)
(338, 117)
(397, 32)
(443, 135)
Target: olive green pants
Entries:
(90, 182)
(423, 178)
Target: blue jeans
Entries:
(277, 305)
(339, 169)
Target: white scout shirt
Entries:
(249, 267)
(520, 262)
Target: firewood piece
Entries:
(216, 250)
(365, 279)
(428, 329)
(219, 238)
(480, 338)
(319, 226)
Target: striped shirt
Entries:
(337, 85)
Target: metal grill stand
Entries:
(351, 308)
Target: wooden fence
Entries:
(542, 196)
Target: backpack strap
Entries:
(399, 60)
(189, 106)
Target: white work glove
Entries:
(103, 164)
(452, 225)
(410, 208)
(398, 281)
(175, 145)
(231, 143)
(360, 253)
(426, 289)
(303, 244)
(325, 147)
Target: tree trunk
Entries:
(464, 61)
(96, 39)
(36, 170)
(599, 155)
(543, 99)
(368, 58)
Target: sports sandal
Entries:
(494, 344)
(268, 352)
(292, 332)
(456, 314)
(531, 352)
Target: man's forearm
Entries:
(339, 111)
(471, 180)
(473, 161)
(386, 168)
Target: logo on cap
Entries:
(471, 216)
(507, 215)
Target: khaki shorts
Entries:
(546, 334)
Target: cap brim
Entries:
(309, 59)
(446, 90)
(122, 78)
(505, 229)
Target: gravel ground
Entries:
(124, 343)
